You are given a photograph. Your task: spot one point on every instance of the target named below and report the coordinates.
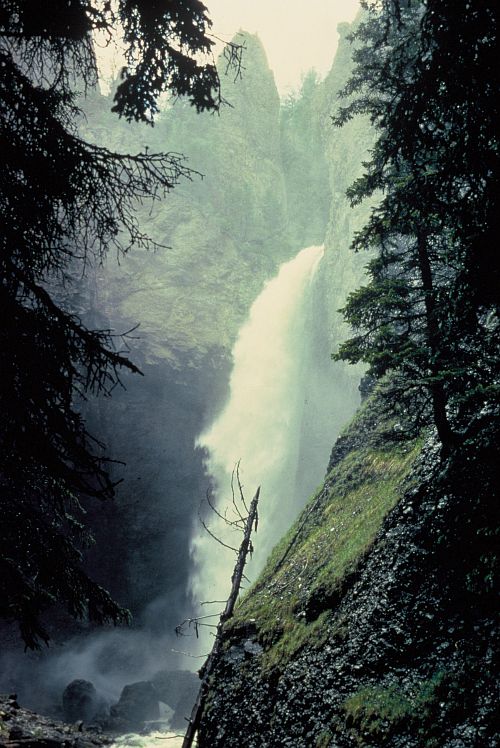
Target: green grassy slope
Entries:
(291, 603)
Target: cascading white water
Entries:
(260, 424)
(134, 740)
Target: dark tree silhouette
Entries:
(428, 77)
(64, 201)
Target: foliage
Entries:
(304, 163)
(375, 711)
(64, 203)
(425, 75)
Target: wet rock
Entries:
(16, 733)
(22, 727)
(178, 689)
(138, 704)
(81, 701)
(252, 648)
(410, 639)
(235, 654)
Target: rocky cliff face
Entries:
(270, 172)
(346, 148)
(373, 622)
(224, 232)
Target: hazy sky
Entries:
(297, 34)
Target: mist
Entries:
(234, 342)
(229, 272)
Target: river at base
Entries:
(153, 740)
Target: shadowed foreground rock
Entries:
(21, 728)
(82, 702)
(376, 615)
(178, 689)
(138, 704)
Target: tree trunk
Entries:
(438, 393)
(208, 667)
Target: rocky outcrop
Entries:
(222, 233)
(178, 689)
(397, 646)
(21, 728)
(138, 704)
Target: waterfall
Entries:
(260, 426)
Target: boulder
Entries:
(178, 689)
(138, 704)
(81, 701)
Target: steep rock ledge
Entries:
(385, 635)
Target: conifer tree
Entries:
(64, 203)
(426, 74)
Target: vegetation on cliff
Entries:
(374, 618)
(223, 232)
(292, 601)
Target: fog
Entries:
(234, 345)
(278, 422)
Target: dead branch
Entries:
(186, 654)
(240, 487)
(233, 523)
(196, 621)
(209, 666)
(236, 471)
(221, 542)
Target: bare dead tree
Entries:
(247, 524)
